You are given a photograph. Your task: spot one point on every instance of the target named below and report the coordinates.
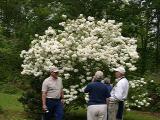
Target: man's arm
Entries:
(62, 93)
(44, 94)
(62, 96)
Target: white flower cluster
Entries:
(81, 48)
(124, 1)
(139, 94)
(70, 94)
(86, 97)
(137, 83)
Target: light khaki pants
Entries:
(112, 110)
(97, 112)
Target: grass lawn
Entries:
(12, 115)
(11, 109)
(136, 115)
(132, 115)
(10, 102)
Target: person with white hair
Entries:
(118, 95)
(98, 94)
(107, 81)
(52, 95)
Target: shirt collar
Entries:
(52, 78)
(118, 79)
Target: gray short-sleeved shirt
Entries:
(52, 87)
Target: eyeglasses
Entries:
(56, 72)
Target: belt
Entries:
(53, 98)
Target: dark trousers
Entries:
(55, 107)
(120, 110)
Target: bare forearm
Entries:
(62, 94)
(43, 99)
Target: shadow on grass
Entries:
(75, 116)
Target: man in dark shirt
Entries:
(98, 94)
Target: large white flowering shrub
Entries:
(80, 48)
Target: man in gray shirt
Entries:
(52, 95)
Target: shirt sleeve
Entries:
(44, 86)
(87, 89)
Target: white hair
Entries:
(107, 80)
(98, 75)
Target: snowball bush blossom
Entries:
(82, 47)
(138, 94)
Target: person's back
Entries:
(98, 92)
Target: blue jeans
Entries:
(55, 107)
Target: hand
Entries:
(44, 107)
(62, 100)
(112, 99)
(107, 101)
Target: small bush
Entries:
(9, 88)
(31, 100)
(154, 94)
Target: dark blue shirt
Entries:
(98, 92)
